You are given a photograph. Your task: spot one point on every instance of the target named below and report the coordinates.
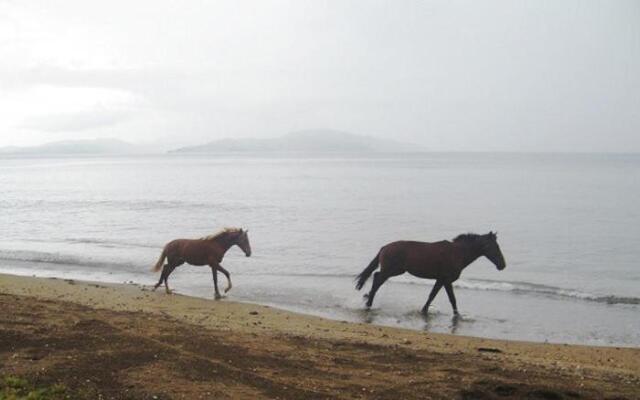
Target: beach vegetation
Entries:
(16, 388)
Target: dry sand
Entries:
(124, 341)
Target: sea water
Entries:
(568, 225)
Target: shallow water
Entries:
(568, 227)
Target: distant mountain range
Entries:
(324, 141)
(310, 141)
(92, 146)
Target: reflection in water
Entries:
(432, 321)
(427, 319)
(454, 323)
(366, 315)
(453, 327)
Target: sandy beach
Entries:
(97, 340)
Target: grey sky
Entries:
(476, 75)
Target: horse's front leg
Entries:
(214, 272)
(226, 273)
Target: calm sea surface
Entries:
(568, 225)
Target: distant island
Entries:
(307, 141)
(324, 141)
(89, 146)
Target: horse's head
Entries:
(243, 242)
(491, 250)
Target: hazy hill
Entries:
(91, 146)
(303, 141)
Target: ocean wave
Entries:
(497, 286)
(525, 288)
(111, 243)
(488, 285)
(547, 290)
(28, 256)
(131, 205)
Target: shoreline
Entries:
(489, 314)
(520, 367)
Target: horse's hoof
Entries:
(217, 296)
(365, 296)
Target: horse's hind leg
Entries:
(166, 279)
(378, 279)
(381, 277)
(432, 295)
(452, 297)
(163, 275)
(214, 272)
(173, 264)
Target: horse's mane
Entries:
(221, 233)
(467, 237)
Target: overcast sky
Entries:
(477, 75)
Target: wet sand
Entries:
(124, 341)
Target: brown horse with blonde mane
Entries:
(208, 250)
(442, 261)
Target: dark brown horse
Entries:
(208, 250)
(442, 261)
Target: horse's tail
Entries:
(158, 265)
(366, 273)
